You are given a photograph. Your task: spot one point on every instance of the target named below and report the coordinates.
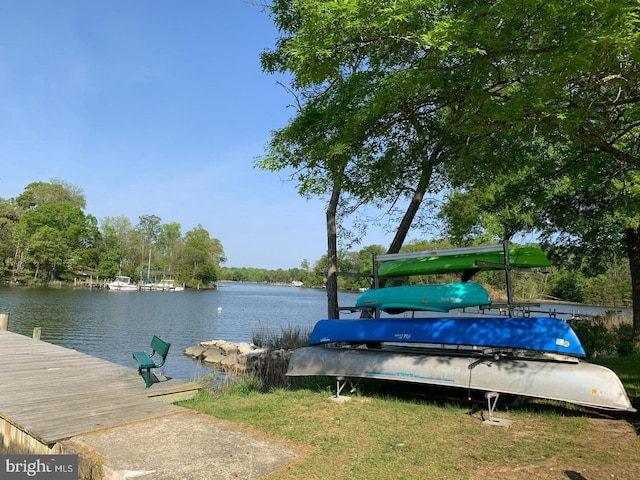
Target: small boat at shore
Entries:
(541, 334)
(169, 285)
(435, 298)
(122, 284)
(566, 379)
(164, 285)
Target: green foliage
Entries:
(55, 238)
(45, 232)
(602, 336)
(528, 112)
(200, 256)
(596, 338)
(566, 287)
(242, 386)
(625, 345)
(55, 192)
(288, 338)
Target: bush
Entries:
(566, 286)
(244, 385)
(624, 340)
(289, 338)
(608, 335)
(596, 338)
(268, 369)
(271, 371)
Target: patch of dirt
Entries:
(610, 449)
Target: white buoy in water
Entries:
(219, 309)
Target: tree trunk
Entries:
(407, 219)
(17, 263)
(332, 254)
(410, 214)
(412, 209)
(633, 250)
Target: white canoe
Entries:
(572, 381)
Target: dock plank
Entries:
(54, 393)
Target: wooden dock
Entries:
(53, 393)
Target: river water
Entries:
(111, 325)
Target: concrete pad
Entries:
(186, 445)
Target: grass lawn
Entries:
(392, 435)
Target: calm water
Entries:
(111, 325)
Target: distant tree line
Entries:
(609, 288)
(45, 235)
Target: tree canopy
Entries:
(45, 232)
(431, 96)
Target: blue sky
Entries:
(155, 107)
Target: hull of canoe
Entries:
(579, 382)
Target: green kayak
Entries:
(522, 257)
(435, 298)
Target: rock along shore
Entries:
(232, 356)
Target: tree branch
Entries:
(606, 147)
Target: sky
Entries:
(156, 107)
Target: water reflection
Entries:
(111, 325)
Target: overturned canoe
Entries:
(522, 257)
(436, 298)
(575, 382)
(536, 334)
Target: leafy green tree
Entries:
(567, 287)
(201, 256)
(365, 264)
(353, 140)
(48, 250)
(119, 249)
(56, 237)
(305, 272)
(44, 230)
(474, 77)
(149, 228)
(313, 147)
(8, 220)
(57, 191)
(169, 247)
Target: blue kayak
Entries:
(435, 298)
(538, 334)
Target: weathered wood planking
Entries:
(54, 393)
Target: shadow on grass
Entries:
(472, 400)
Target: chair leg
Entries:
(148, 378)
